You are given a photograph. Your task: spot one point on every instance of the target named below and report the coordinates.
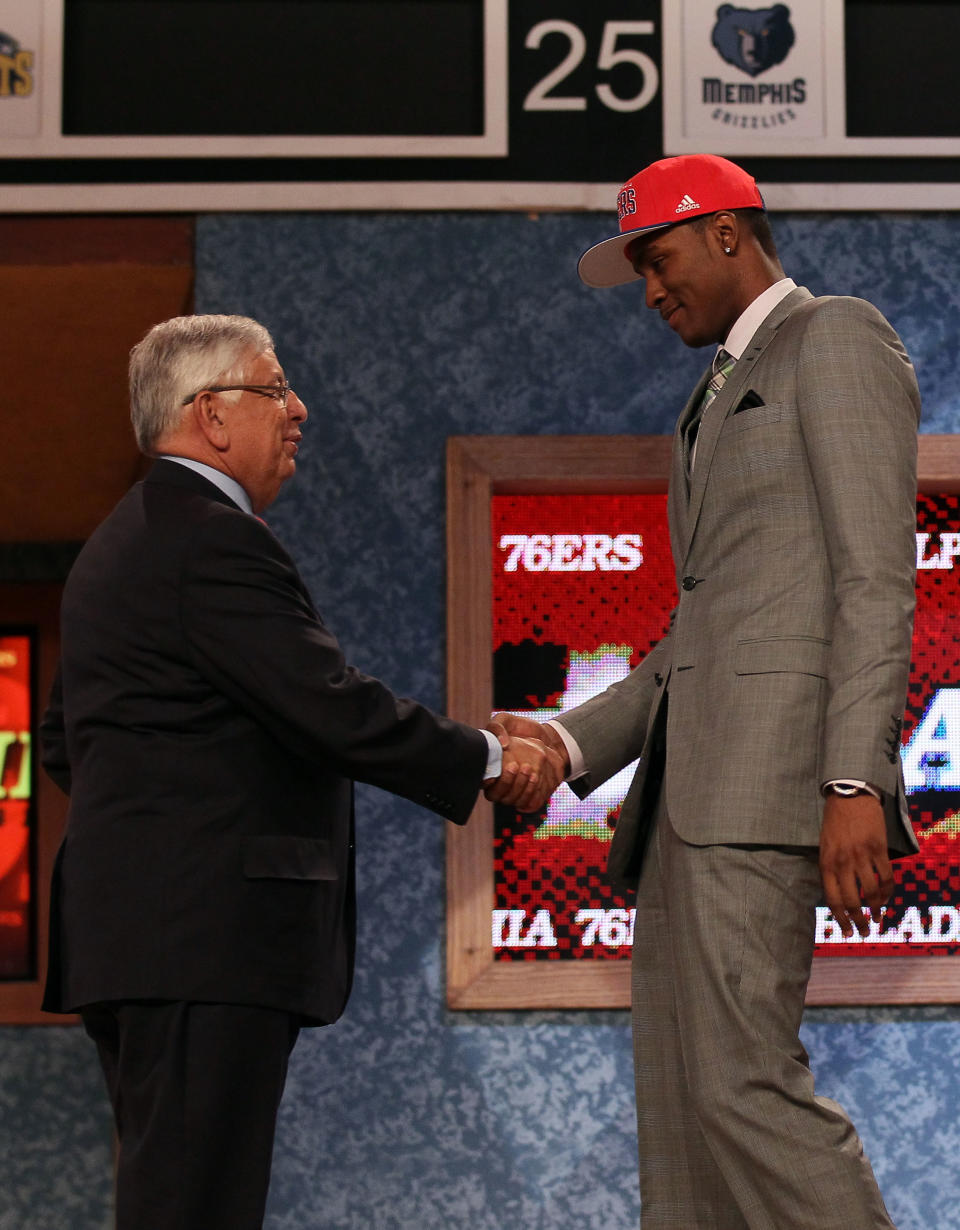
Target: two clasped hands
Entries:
(535, 762)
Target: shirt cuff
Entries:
(574, 755)
(852, 781)
(494, 755)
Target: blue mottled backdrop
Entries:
(400, 330)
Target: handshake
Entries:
(535, 762)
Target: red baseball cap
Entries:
(663, 194)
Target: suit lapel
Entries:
(689, 412)
(728, 397)
(679, 488)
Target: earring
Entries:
(728, 250)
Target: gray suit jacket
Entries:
(789, 649)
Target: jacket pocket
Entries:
(807, 655)
(273, 857)
(753, 416)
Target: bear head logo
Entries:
(753, 39)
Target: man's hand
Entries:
(532, 768)
(854, 866)
(509, 724)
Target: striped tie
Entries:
(722, 367)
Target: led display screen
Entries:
(582, 587)
(16, 796)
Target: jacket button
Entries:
(658, 679)
(689, 582)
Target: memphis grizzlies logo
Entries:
(753, 39)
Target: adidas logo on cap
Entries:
(686, 204)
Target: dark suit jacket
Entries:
(208, 731)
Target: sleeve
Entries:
(859, 409)
(53, 737)
(610, 729)
(254, 634)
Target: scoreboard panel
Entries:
(157, 104)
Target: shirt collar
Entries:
(229, 486)
(746, 325)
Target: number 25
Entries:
(539, 98)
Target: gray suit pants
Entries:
(731, 1134)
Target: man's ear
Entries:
(207, 410)
(724, 229)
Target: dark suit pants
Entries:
(195, 1090)
(731, 1133)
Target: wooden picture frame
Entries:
(477, 468)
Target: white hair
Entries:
(181, 357)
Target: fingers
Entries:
(854, 865)
(526, 728)
(498, 729)
(842, 895)
(519, 786)
(533, 795)
(877, 893)
(530, 774)
(514, 780)
(551, 776)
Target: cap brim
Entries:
(606, 263)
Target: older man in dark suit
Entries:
(208, 731)
(767, 721)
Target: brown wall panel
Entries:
(96, 239)
(68, 450)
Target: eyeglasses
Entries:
(279, 392)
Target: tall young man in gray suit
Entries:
(767, 721)
(208, 731)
